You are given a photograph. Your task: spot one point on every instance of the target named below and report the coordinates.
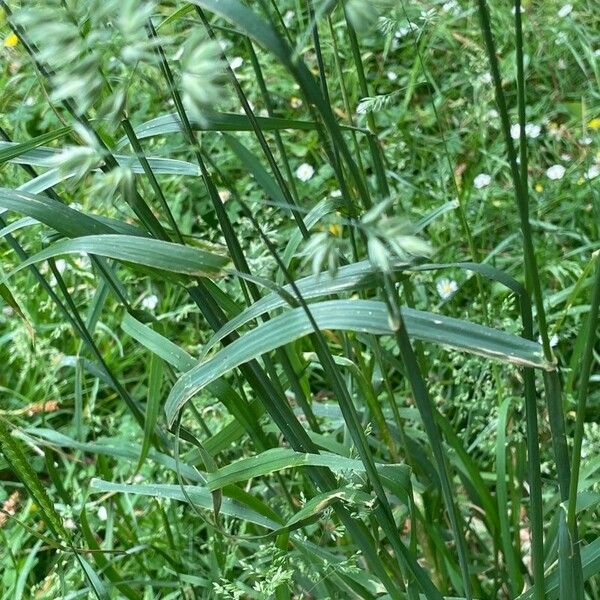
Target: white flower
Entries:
(565, 11)
(304, 172)
(482, 180)
(492, 114)
(486, 78)
(566, 157)
(288, 17)
(61, 265)
(555, 172)
(451, 7)
(532, 131)
(585, 141)
(336, 194)
(150, 302)
(236, 62)
(102, 513)
(392, 75)
(592, 172)
(553, 340)
(402, 32)
(446, 288)
(224, 195)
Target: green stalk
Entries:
(533, 284)
(587, 361)
(426, 409)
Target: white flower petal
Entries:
(482, 180)
(305, 172)
(555, 172)
(565, 11)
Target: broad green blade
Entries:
(216, 121)
(148, 252)
(590, 559)
(115, 448)
(363, 316)
(47, 157)
(15, 150)
(277, 459)
(349, 278)
(21, 466)
(198, 495)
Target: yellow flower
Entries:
(594, 123)
(11, 40)
(580, 181)
(539, 187)
(335, 229)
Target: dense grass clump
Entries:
(299, 299)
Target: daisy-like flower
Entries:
(150, 302)
(224, 195)
(451, 7)
(532, 130)
(236, 62)
(553, 340)
(304, 172)
(392, 75)
(592, 172)
(555, 172)
(482, 180)
(565, 11)
(446, 288)
(61, 265)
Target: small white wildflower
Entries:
(236, 62)
(304, 172)
(402, 32)
(392, 75)
(29, 101)
(102, 513)
(515, 131)
(61, 265)
(553, 340)
(150, 302)
(288, 17)
(451, 7)
(555, 172)
(482, 180)
(446, 288)
(336, 194)
(586, 140)
(565, 11)
(566, 157)
(532, 130)
(486, 78)
(562, 65)
(592, 172)
(492, 114)
(224, 195)
(69, 524)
